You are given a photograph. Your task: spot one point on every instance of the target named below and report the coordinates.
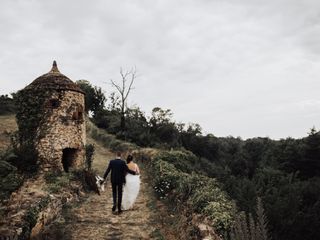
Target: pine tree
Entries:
(261, 224)
(252, 227)
(245, 228)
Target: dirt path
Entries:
(93, 219)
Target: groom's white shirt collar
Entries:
(118, 157)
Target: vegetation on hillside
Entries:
(10, 180)
(176, 182)
(284, 173)
(7, 105)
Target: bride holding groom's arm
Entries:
(132, 166)
(132, 186)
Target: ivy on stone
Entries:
(31, 113)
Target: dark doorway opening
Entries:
(68, 158)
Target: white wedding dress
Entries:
(130, 191)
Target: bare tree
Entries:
(124, 89)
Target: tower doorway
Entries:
(68, 158)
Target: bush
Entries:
(27, 157)
(89, 155)
(10, 180)
(23, 155)
(7, 105)
(31, 217)
(182, 160)
(9, 156)
(57, 180)
(90, 181)
(165, 179)
(199, 193)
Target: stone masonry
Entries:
(62, 134)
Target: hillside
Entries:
(87, 216)
(205, 185)
(199, 178)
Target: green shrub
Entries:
(23, 155)
(182, 160)
(31, 216)
(7, 105)
(90, 181)
(85, 177)
(10, 180)
(31, 112)
(89, 155)
(9, 156)
(57, 180)
(199, 193)
(51, 177)
(165, 178)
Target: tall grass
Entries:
(108, 140)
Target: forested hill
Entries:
(284, 173)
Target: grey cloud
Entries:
(247, 68)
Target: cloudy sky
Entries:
(237, 67)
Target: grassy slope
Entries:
(7, 124)
(101, 156)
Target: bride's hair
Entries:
(129, 158)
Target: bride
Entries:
(132, 186)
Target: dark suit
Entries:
(118, 170)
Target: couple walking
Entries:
(124, 186)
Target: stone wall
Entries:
(64, 128)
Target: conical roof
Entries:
(54, 80)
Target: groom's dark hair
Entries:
(118, 154)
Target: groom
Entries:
(118, 170)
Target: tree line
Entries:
(284, 173)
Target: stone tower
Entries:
(61, 133)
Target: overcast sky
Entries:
(237, 67)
